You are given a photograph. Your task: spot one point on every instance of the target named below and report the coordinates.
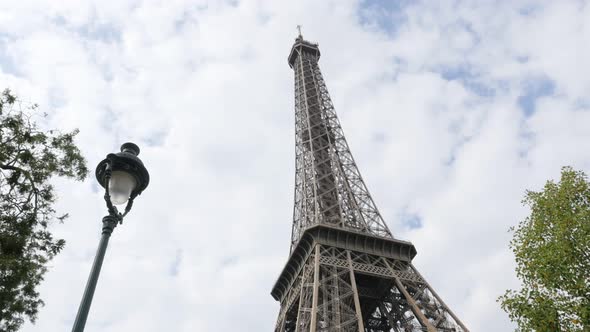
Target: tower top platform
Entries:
(301, 46)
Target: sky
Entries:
(452, 109)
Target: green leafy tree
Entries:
(552, 249)
(29, 158)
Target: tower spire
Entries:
(299, 30)
(346, 271)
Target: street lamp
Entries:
(123, 177)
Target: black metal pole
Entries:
(108, 224)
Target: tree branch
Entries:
(29, 177)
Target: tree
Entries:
(29, 158)
(552, 249)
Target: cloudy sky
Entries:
(451, 108)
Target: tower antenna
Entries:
(299, 30)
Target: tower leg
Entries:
(305, 307)
(357, 302)
(448, 310)
(415, 309)
(316, 289)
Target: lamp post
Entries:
(123, 177)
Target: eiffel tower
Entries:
(346, 271)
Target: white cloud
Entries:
(429, 104)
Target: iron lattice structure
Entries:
(346, 271)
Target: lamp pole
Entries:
(124, 177)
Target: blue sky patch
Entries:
(108, 119)
(529, 9)
(102, 32)
(156, 139)
(411, 220)
(469, 79)
(533, 90)
(95, 187)
(385, 15)
(92, 30)
(7, 63)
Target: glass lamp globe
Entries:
(121, 185)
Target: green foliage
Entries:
(552, 249)
(29, 158)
